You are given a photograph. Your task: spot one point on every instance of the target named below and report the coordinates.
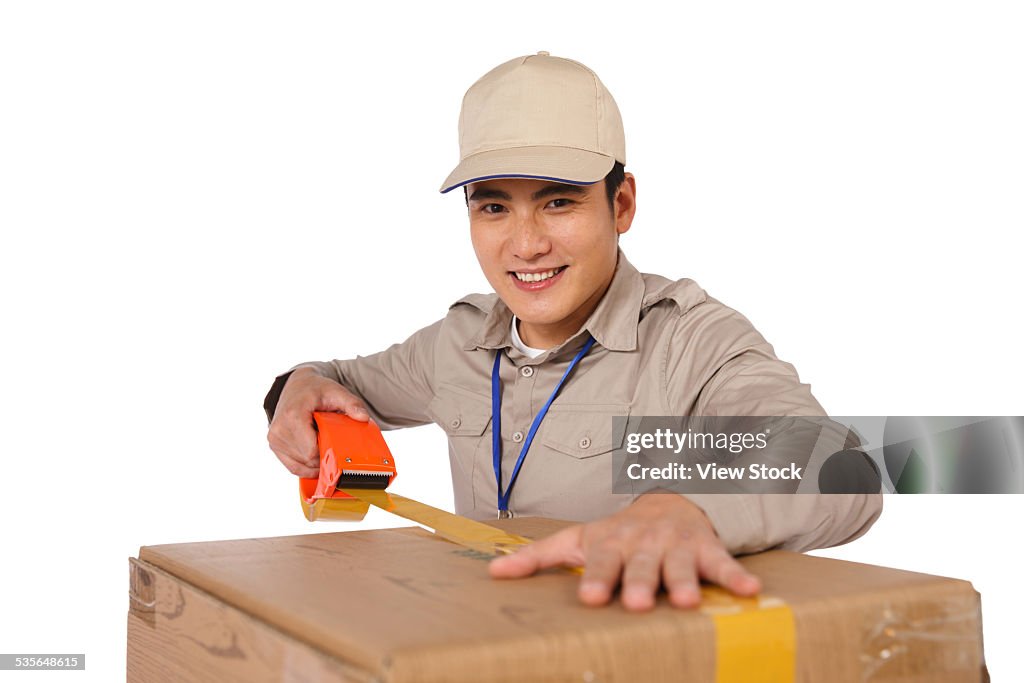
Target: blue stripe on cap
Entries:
(518, 175)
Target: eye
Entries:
(492, 208)
(560, 202)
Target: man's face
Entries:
(548, 249)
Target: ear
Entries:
(624, 205)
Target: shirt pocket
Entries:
(584, 430)
(460, 412)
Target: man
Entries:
(572, 336)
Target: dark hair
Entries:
(612, 181)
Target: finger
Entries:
(302, 444)
(555, 550)
(284, 451)
(292, 435)
(717, 565)
(601, 571)
(679, 570)
(641, 578)
(297, 468)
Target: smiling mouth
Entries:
(538, 277)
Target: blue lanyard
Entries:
(496, 423)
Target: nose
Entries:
(529, 238)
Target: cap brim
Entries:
(561, 164)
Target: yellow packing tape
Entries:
(462, 530)
(755, 637)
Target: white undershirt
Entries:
(517, 342)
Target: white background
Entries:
(195, 196)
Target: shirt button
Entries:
(517, 437)
(456, 423)
(585, 442)
(527, 371)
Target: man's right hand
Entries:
(291, 435)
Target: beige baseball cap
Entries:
(538, 116)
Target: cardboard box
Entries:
(402, 605)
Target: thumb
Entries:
(339, 399)
(562, 548)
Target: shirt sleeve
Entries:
(745, 378)
(396, 384)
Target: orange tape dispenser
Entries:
(353, 455)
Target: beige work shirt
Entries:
(662, 347)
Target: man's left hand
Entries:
(662, 538)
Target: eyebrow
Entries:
(546, 191)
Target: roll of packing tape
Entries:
(329, 509)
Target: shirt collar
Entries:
(519, 344)
(613, 323)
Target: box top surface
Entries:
(372, 597)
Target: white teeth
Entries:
(537, 277)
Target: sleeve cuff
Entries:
(274, 395)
